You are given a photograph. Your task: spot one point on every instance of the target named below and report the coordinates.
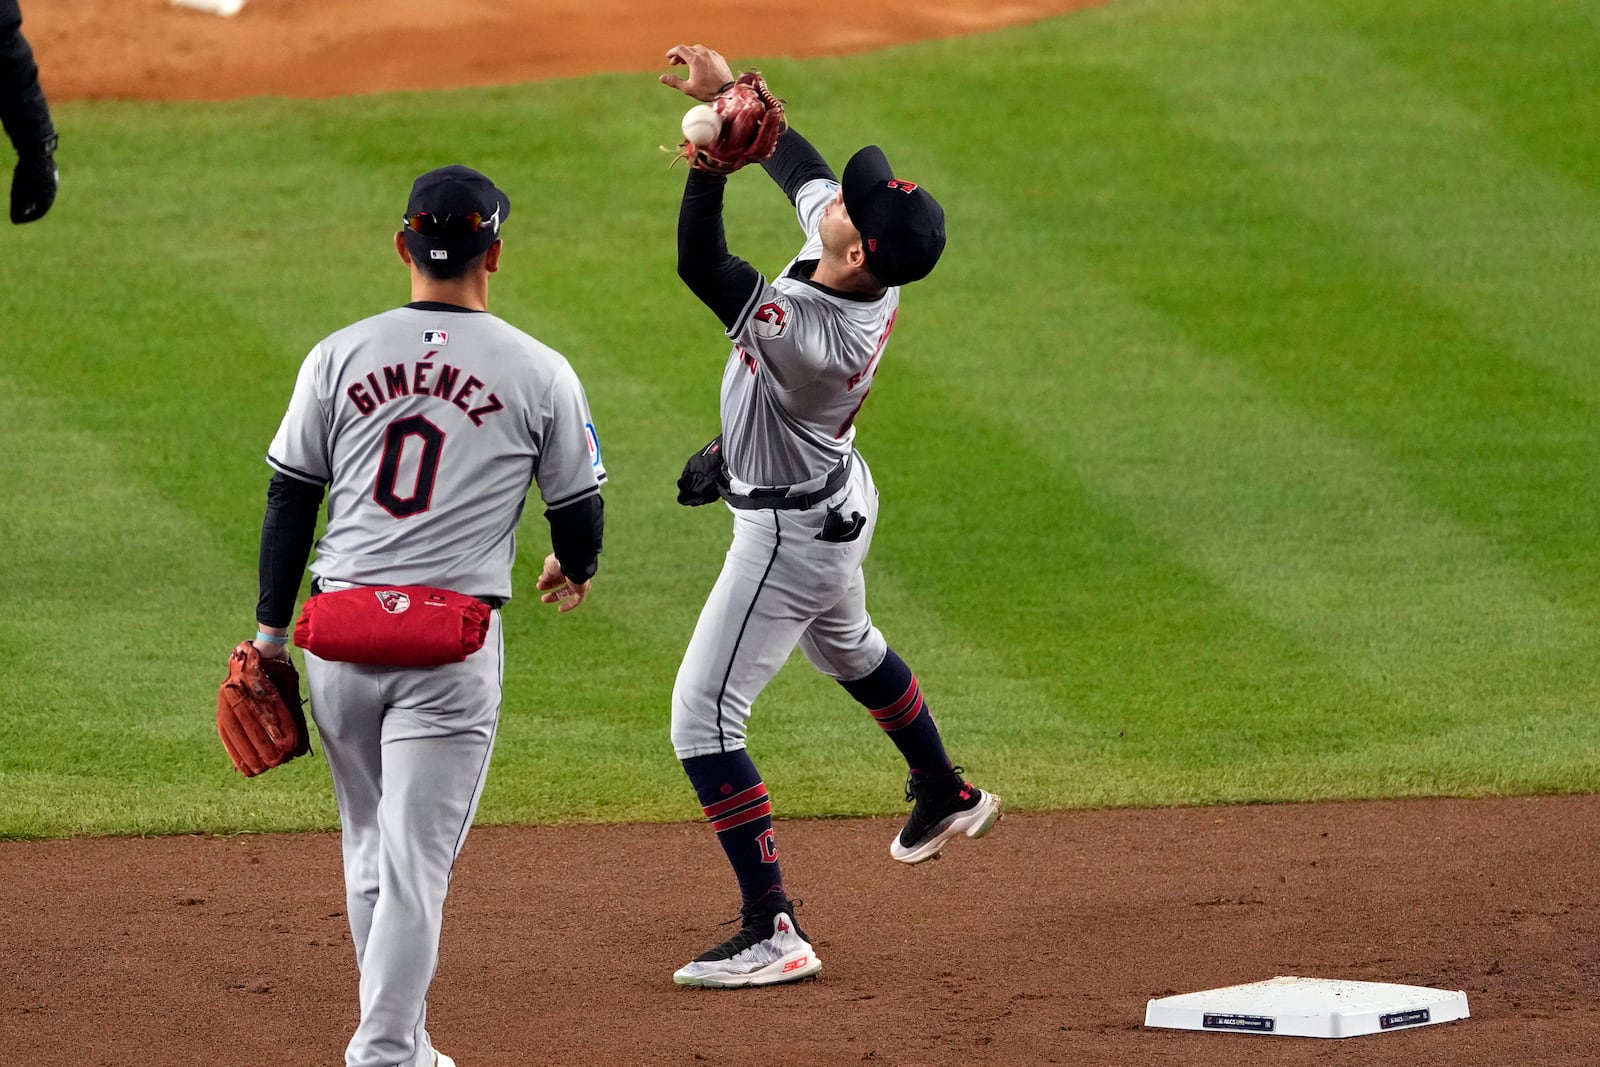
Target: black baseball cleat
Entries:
(945, 805)
(769, 948)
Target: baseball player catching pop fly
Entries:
(427, 423)
(805, 349)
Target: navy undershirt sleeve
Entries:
(287, 530)
(576, 533)
(23, 111)
(723, 282)
(795, 162)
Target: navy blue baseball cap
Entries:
(454, 215)
(901, 224)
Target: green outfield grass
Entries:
(1242, 448)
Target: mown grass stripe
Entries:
(1525, 68)
(1426, 185)
(1230, 259)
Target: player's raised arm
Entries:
(724, 283)
(744, 129)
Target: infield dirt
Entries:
(1039, 944)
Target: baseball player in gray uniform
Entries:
(806, 347)
(427, 424)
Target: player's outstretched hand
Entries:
(708, 71)
(559, 589)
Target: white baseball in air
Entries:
(701, 124)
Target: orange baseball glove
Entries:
(259, 713)
(752, 122)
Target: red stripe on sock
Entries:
(755, 792)
(891, 725)
(908, 698)
(763, 808)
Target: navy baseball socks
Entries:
(736, 804)
(894, 698)
(770, 946)
(944, 803)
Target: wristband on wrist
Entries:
(272, 639)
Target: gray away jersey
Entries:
(428, 426)
(802, 363)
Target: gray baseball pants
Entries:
(781, 585)
(409, 751)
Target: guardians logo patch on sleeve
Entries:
(772, 318)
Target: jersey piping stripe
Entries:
(759, 811)
(749, 307)
(296, 472)
(733, 803)
(733, 657)
(555, 505)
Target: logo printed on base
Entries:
(1403, 1018)
(1263, 1023)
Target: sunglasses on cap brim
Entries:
(448, 226)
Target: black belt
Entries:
(776, 497)
(494, 602)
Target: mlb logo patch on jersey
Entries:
(435, 337)
(594, 443)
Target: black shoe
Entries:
(769, 948)
(945, 805)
